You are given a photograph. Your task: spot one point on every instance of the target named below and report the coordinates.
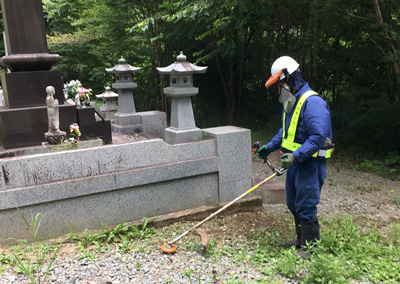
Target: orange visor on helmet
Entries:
(273, 79)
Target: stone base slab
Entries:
(154, 122)
(126, 129)
(173, 135)
(273, 192)
(127, 119)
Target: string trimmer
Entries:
(170, 247)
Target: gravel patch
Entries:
(150, 266)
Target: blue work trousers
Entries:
(303, 187)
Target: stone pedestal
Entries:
(24, 127)
(183, 127)
(27, 89)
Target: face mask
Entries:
(287, 99)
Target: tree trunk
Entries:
(314, 48)
(228, 96)
(232, 94)
(390, 49)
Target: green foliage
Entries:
(328, 269)
(121, 236)
(345, 54)
(396, 234)
(388, 166)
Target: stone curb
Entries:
(247, 204)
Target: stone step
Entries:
(273, 192)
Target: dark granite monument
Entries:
(23, 119)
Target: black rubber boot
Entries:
(295, 243)
(309, 235)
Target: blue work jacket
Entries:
(313, 128)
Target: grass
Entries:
(344, 253)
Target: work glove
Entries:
(263, 152)
(287, 160)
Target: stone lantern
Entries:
(183, 127)
(126, 120)
(109, 106)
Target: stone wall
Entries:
(108, 185)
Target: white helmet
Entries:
(277, 69)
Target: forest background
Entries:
(348, 50)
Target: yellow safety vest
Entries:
(288, 142)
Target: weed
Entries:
(367, 187)
(348, 188)
(5, 259)
(326, 268)
(65, 147)
(87, 255)
(187, 273)
(332, 182)
(393, 198)
(42, 253)
(121, 236)
(395, 234)
(289, 264)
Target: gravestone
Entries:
(28, 58)
(23, 119)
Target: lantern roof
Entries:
(122, 67)
(107, 94)
(182, 66)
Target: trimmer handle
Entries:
(256, 146)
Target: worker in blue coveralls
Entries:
(306, 141)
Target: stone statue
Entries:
(54, 135)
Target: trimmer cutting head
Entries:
(168, 248)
